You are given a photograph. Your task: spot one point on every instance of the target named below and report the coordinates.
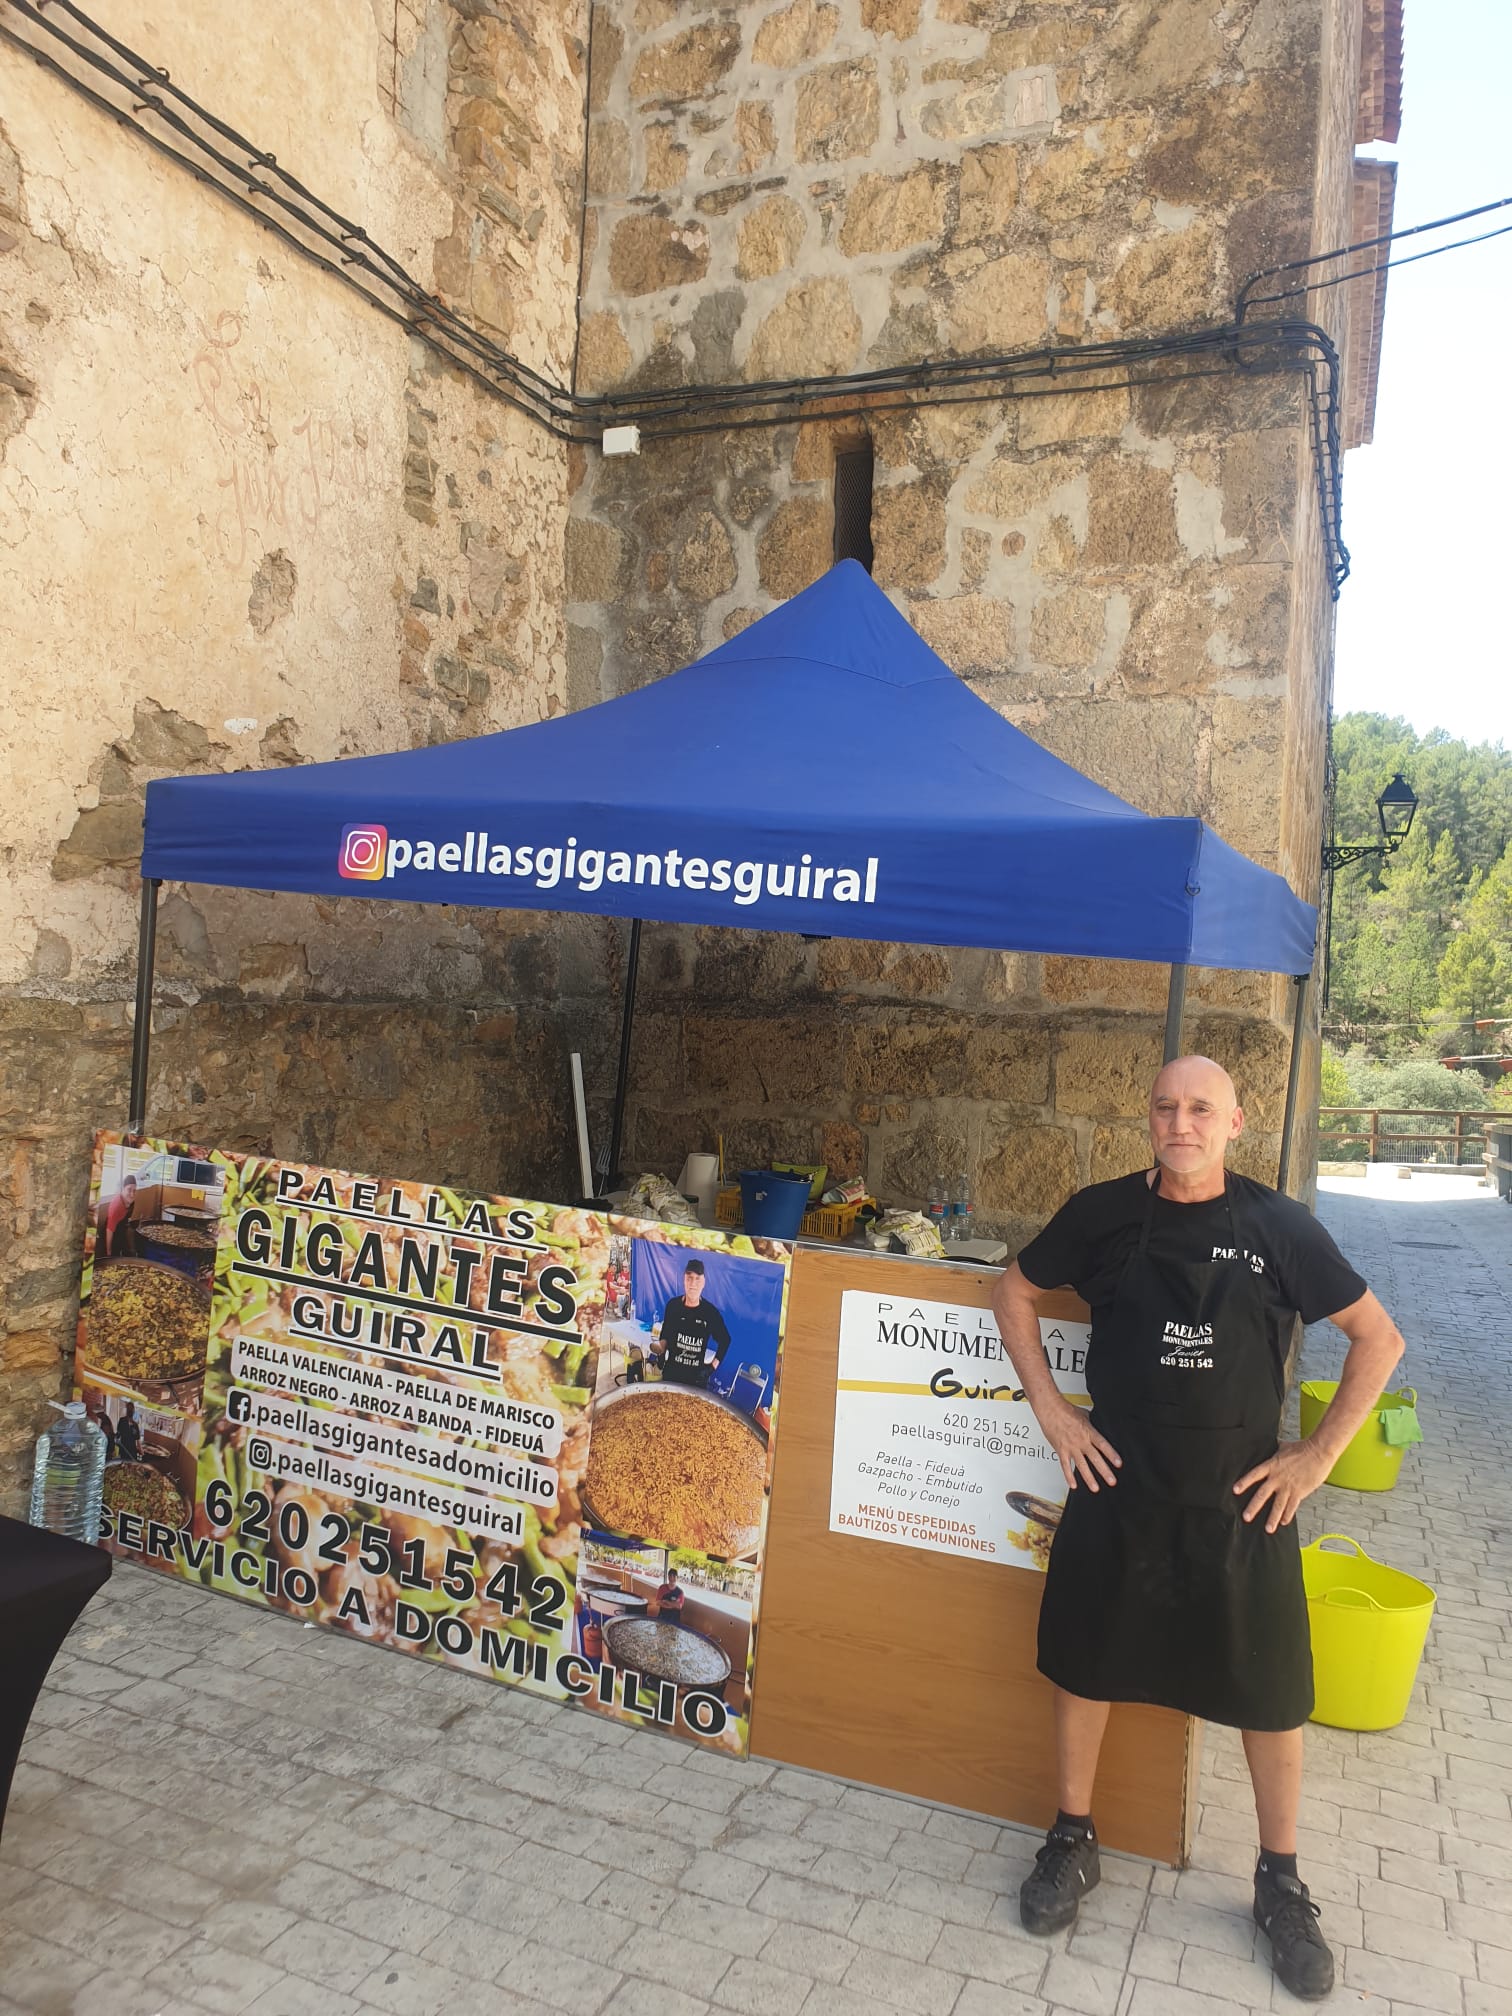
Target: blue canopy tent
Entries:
(823, 772)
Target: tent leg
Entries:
(141, 1034)
(627, 1025)
(1292, 1077)
(1175, 1002)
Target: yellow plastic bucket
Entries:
(1369, 1461)
(1369, 1625)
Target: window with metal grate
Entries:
(853, 504)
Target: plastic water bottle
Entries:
(960, 1210)
(937, 1209)
(68, 1474)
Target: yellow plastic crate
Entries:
(824, 1221)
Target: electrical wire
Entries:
(1245, 302)
(127, 88)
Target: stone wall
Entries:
(1134, 575)
(248, 521)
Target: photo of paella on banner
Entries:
(935, 1444)
(687, 1381)
(144, 1319)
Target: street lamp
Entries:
(1394, 808)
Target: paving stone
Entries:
(787, 1898)
(652, 1998)
(215, 1977)
(1082, 1985)
(904, 1984)
(756, 1988)
(890, 1927)
(730, 1927)
(559, 1978)
(805, 1949)
(1012, 1963)
(723, 1877)
(680, 1963)
(326, 1954)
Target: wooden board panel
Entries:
(914, 1671)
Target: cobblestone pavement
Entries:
(219, 1811)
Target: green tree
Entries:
(1396, 919)
(1475, 973)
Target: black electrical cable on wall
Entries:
(122, 84)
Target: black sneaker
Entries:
(1065, 1869)
(1289, 1919)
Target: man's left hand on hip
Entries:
(1285, 1480)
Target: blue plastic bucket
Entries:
(772, 1206)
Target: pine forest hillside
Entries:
(1422, 941)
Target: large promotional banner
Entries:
(935, 1444)
(525, 1440)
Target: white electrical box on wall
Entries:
(621, 441)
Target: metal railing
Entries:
(1384, 1134)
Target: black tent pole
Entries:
(1292, 1077)
(627, 1025)
(1175, 1002)
(141, 1034)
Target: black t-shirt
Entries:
(685, 1334)
(1090, 1238)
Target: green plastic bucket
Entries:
(1369, 1462)
(1369, 1626)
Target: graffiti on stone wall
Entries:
(277, 478)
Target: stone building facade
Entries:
(1134, 575)
(247, 520)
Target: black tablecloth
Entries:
(45, 1582)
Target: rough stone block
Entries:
(1261, 486)
(1165, 282)
(769, 238)
(647, 254)
(1105, 983)
(1118, 1149)
(1070, 628)
(813, 332)
(904, 1164)
(1012, 489)
(666, 159)
(989, 188)
(908, 533)
(972, 633)
(1025, 1170)
(891, 17)
(839, 112)
(795, 34)
(889, 213)
(604, 358)
(1003, 305)
(795, 548)
(1071, 416)
(688, 65)
(1131, 514)
(1106, 1071)
(705, 565)
(766, 1061)
(596, 561)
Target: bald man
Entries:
(1176, 1576)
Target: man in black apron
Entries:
(1175, 1577)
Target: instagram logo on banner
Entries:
(363, 849)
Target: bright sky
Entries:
(1425, 618)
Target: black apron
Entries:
(1157, 1589)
